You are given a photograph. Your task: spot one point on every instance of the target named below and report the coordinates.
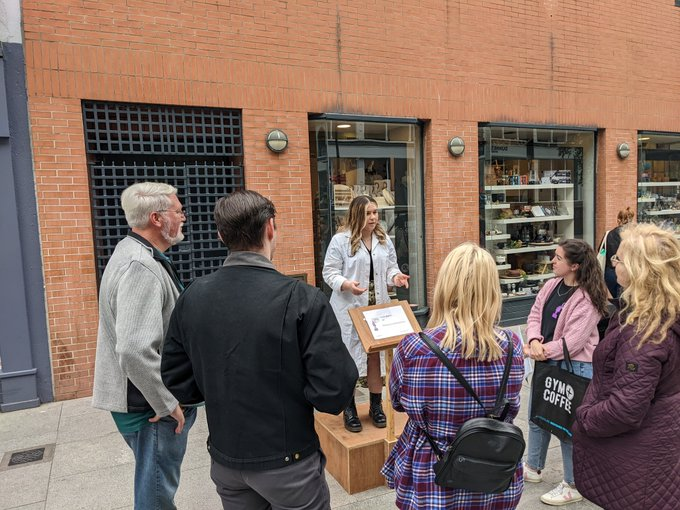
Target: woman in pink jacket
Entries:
(568, 307)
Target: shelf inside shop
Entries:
(665, 212)
(502, 267)
(653, 184)
(527, 249)
(510, 280)
(497, 206)
(516, 296)
(528, 186)
(380, 208)
(497, 237)
(533, 219)
(540, 277)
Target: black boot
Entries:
(375, 411)
(351, 417)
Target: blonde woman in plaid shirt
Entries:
(464, 323)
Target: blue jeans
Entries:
(158, 458)
(539, 439)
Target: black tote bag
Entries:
(556, 394)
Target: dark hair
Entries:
(241, 218)
(589, 273)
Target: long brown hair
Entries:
(356, 221)
(589, 274)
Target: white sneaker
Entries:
(531, 475)
(563, 494)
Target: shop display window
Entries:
(383, 159)
(659, 180)
(537, 188)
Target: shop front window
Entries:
(537, 188)
(351, 157)
(659, 180)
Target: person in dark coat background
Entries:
(627, 434)
(612, 243)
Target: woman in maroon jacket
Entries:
(627, 435)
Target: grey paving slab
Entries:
(85, 426)
(197, 454)
(24, 427)
(11, 444)
(340, 498)
(32, 506)
(103, 489)
(24, 485)
(92, 454)
(383, 501)
(197, 491)
(77, 407)
(201, 424)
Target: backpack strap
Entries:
(456, 373)
(500, 396)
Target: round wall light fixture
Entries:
(276, 140)
(623, 150)
(456, 146)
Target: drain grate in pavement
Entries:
(35, 455)
(26, 456)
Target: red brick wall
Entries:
(616, 178)
(452, 63)
(285, 179)
(452, 193)
(66, 229)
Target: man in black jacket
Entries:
(263, 351)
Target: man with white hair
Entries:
(137, 295)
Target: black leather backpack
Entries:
(486, 451)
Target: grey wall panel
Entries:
(25, 260)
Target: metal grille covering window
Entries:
(197, 150)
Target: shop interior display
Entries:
(373, 180)
(352, 157)
(659, 191)
(528, 207)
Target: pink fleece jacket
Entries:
(577, 324)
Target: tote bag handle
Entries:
(567, 357)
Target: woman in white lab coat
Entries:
(360, 263)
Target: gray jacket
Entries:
(136, 299)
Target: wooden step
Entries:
(355, 459)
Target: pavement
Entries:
(92, 467)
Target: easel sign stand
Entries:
(381, 328)
(355, 460)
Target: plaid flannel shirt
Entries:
(422, 386)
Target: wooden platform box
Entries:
(355, 459)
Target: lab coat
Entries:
(339, 266)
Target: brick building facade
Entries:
(610, 67)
